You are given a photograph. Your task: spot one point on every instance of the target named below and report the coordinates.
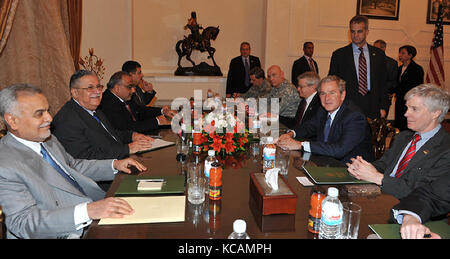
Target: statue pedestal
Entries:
(169, 86)
(203, 69)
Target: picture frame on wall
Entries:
(432, 10)
(378, 9)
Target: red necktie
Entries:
(300, 111)
(129, 110)
(362, 81)
(409, 154)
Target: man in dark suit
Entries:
(340, 129)
(144, 90)
(44, 191)
(310, 101)
(363, 67)
(418, 155)
(85, 132)
(305, 63)
(428, 201)
(123, 113)
(238, 79)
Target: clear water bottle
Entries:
(208, 161)
(269, 150)
(239, 228)
(331, 218)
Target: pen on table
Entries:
(151, 180)
(155, 136)
(427, 236)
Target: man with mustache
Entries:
(45, 192)
(85, 132)
(418, 155)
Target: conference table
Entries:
(214, 219)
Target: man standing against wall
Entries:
(305, 63)
(363, 67)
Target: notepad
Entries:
(149, 186)
(158, 144)
(392, 231)
(151, 210)
(174, 184)
(330, 175)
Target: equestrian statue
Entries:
(201, 42)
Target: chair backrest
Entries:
(2, 225)
(382, 135)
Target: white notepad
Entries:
(151, 210)
(149, 186)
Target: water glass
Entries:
(282, 162)
(196, 190)
(350, 220)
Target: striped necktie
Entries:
(311, 65)
(66, 176)
(362, 80)
(407, 157)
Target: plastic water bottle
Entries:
(208, 161)
(331, 218)
(269, 150)
(239, 228)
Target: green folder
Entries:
(331, 175)
(174, 184)
(392, 231)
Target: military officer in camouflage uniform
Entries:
(284, 91)
(260, 86)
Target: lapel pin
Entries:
(426, 151)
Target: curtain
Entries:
(37, 51)
(7, 14)
(74, 10)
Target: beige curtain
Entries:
(7, 14)
(37, 51)
(74, 10)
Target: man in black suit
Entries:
(144, 90)
(340, 129)
(363, 67)
(423, 203)
(305, 63)
(85, 132)
(123, 113)
(238, 79)
(310, 103)
(418, 155)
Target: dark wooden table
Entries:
(215, 219)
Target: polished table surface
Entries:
(215, 219)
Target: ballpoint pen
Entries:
(151, 180)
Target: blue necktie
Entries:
(326, 130)
(68, 177)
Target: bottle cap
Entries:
(211, 152)
(239, 226)
(333, 192)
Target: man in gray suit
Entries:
(45, 192)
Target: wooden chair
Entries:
(382, 135)
(2, 225)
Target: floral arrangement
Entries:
(224, 133)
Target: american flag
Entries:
(435, 72)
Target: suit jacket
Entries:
(120, 117)
(83, 137)
(430, 162)
(412, 77)
(299, 67)
(349, 134)
(37, 201)
(310, 111)
(343, 65)
(236, 74)
(430, 200)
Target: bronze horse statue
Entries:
(185, 46)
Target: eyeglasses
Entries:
(92, 88)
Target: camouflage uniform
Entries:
(288, 96)
(258, 91)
